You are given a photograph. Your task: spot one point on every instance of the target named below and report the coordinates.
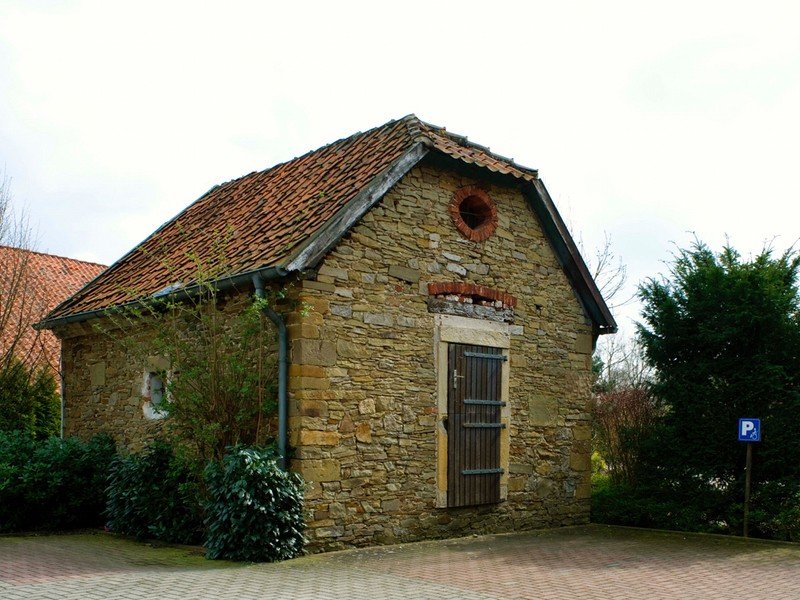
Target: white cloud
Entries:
(648, 122)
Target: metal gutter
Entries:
(224, 283)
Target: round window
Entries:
(473, 213)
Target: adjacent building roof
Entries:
(31, 285)
(287, 217)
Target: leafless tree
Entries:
(623, 418)
(22, 301)
(623, 365)
(609, 273)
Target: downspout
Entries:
(283, 371)
(62, 379)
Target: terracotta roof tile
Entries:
(48, 280)
(263, 217)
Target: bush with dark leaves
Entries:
(255, 510)
(52, 484)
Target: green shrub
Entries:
(30, 401)
(622, 504)
(598, 463)
(617, 504)
(16, 451)
(775, 510)
(54, 484)
(254, 511)
(785, 524)
(155, 494)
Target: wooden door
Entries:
(473, 424)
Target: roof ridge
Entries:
(51, 255)
(413, 125)
(463, 140)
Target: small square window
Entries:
(153, 390)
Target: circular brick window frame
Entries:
(474, 213)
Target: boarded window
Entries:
(473, 424)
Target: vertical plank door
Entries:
(473, 424)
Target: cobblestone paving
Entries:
(584, 562)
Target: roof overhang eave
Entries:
(570, 257)
(224, 283)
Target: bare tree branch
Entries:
(609, 273)
(623, 364)
(22, 301)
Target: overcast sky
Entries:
(649, 122)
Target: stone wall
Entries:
(364, 404)
(104, 381)
(103, 388)
(363, 377)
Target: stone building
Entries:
(438, 380)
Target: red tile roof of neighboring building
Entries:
(266, 218)
(31, 285)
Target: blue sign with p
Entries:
(749, 430)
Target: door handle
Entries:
(456, 377)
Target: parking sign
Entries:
(749, 430)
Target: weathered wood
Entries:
(473, 311)
(474, 425)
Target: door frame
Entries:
(462, 330)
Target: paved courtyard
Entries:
(580, 562)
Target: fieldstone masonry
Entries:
(103, 384)
(103, 388)
(364, 388)
(363, 381)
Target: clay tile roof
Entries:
(267, 218)
(460, 148)
(42, 281)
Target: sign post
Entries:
(749, 432)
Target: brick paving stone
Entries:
(582, 562)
